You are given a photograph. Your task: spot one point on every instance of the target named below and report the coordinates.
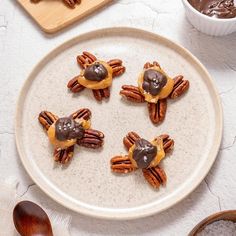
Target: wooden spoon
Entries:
(31, 220)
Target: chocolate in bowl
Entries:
(207, 24)
(222, 9)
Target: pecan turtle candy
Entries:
(96, 75)
(144, 155)
(155, 87)
(69, 3)
(65, 132)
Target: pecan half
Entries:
(91, 139)
(168, 143)
(63, 156)
(148, 65)
(117, 67)
(130, 139)
(180, 87)
(75, 86)
(132, 93)
(155, 176)
(71, 3)
(121, 164)
(83, 113)
(99, 94)
(157, 111)
(46, 119)
(86, 59)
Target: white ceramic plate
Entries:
(87, 184)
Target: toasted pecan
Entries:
(168, 143)
(63, 156)
(99, 94)
(75, 86)
(132, 93)
(180, 87)
(83, 113)
(46, 119)
(130, 139)
(157, 111)
(148, 65)
(71, 3)
(91, 139)
(117, 67)
(155, 176)
(121, 164)
(86, 59)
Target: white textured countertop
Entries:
(22, 45)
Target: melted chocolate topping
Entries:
(67, 128)
(95, 72)
(215, 8)
(144, 152)
(153, 81)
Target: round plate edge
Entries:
(134, 214)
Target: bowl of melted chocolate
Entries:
(213, 17)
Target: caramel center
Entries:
(65, 143)
(160, 153)
(99, 82)
(164, 87)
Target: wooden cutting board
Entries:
(53, 15)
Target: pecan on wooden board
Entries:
(71, 3)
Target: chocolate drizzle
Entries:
(67, 128)
(95, 72)
(153, 81)
(215, 8)
(144, 153)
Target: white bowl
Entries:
(209, 25)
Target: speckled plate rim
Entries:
(126, 213)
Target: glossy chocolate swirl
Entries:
(95, 72)
(144, 153)
(153, 81)
(215, 8)
(67, 128)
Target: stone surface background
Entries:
(22, 45)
